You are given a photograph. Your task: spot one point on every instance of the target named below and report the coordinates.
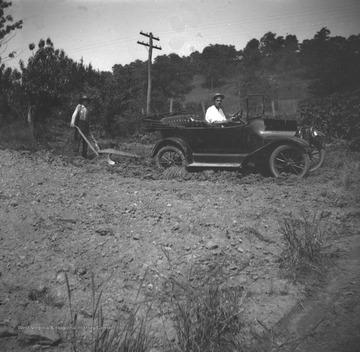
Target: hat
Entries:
(84, 97)
(222, 96)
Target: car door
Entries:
(231, 139)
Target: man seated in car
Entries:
(214, 114)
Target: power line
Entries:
(242, 23)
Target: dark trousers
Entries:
(85, 129)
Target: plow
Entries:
(106, 152)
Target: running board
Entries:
(226, 165)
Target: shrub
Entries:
(338, 116)
(205, 311)
(303, 238)
(16, 135)
(129, 334)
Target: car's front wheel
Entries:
(170, 156)
(289, 159)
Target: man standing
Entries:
(81, 119)
(214, 114)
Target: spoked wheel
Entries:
(317, 156)
(170, 156)
(289, 159)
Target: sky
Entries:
(106, 32)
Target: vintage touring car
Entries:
(278, 144)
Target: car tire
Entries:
(317, 156)
(289, 159)
(170, 156)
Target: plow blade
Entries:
(108, 152)
(117, 152)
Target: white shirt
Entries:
(214, 115)
(83, 112)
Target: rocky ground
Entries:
(123, 230)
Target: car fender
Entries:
(173, 141)
(300, 142)
(272, 142)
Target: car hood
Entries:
(280, 125)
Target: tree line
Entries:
(329, 66)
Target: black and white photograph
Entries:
(179, 176)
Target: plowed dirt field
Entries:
(130, 227)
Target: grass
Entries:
(206, 318)
(347, 167)
(176, 173)
(304, 250)
(128, 334)
(205, 312)
(16, 135)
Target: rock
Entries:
(85, 313)
(176, 226)
(7, 331)
(242, 280)
(104, 231)
(240, 250)
(211, 245)
(60, 278)
(82, 271)
(41, 288)
(37, 293)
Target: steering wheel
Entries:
(237, 117)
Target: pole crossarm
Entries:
(149, 35)
(146, 44)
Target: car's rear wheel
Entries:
(170, 156)
(289, 159)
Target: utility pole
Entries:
(151, 47)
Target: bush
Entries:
(205, 311)
(16, 135)
(303, 238)
(129, 334)
(338, 116)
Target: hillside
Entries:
(290, 88)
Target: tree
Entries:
(252, 58)
(194, 62)
(124, 94)
(332, 63)
(270, 44)
(289, 60)
(7, 26)
(7, 76)
(218, 62)
(10, 94)
(51, 79)
(172, 79)
(48, 70)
